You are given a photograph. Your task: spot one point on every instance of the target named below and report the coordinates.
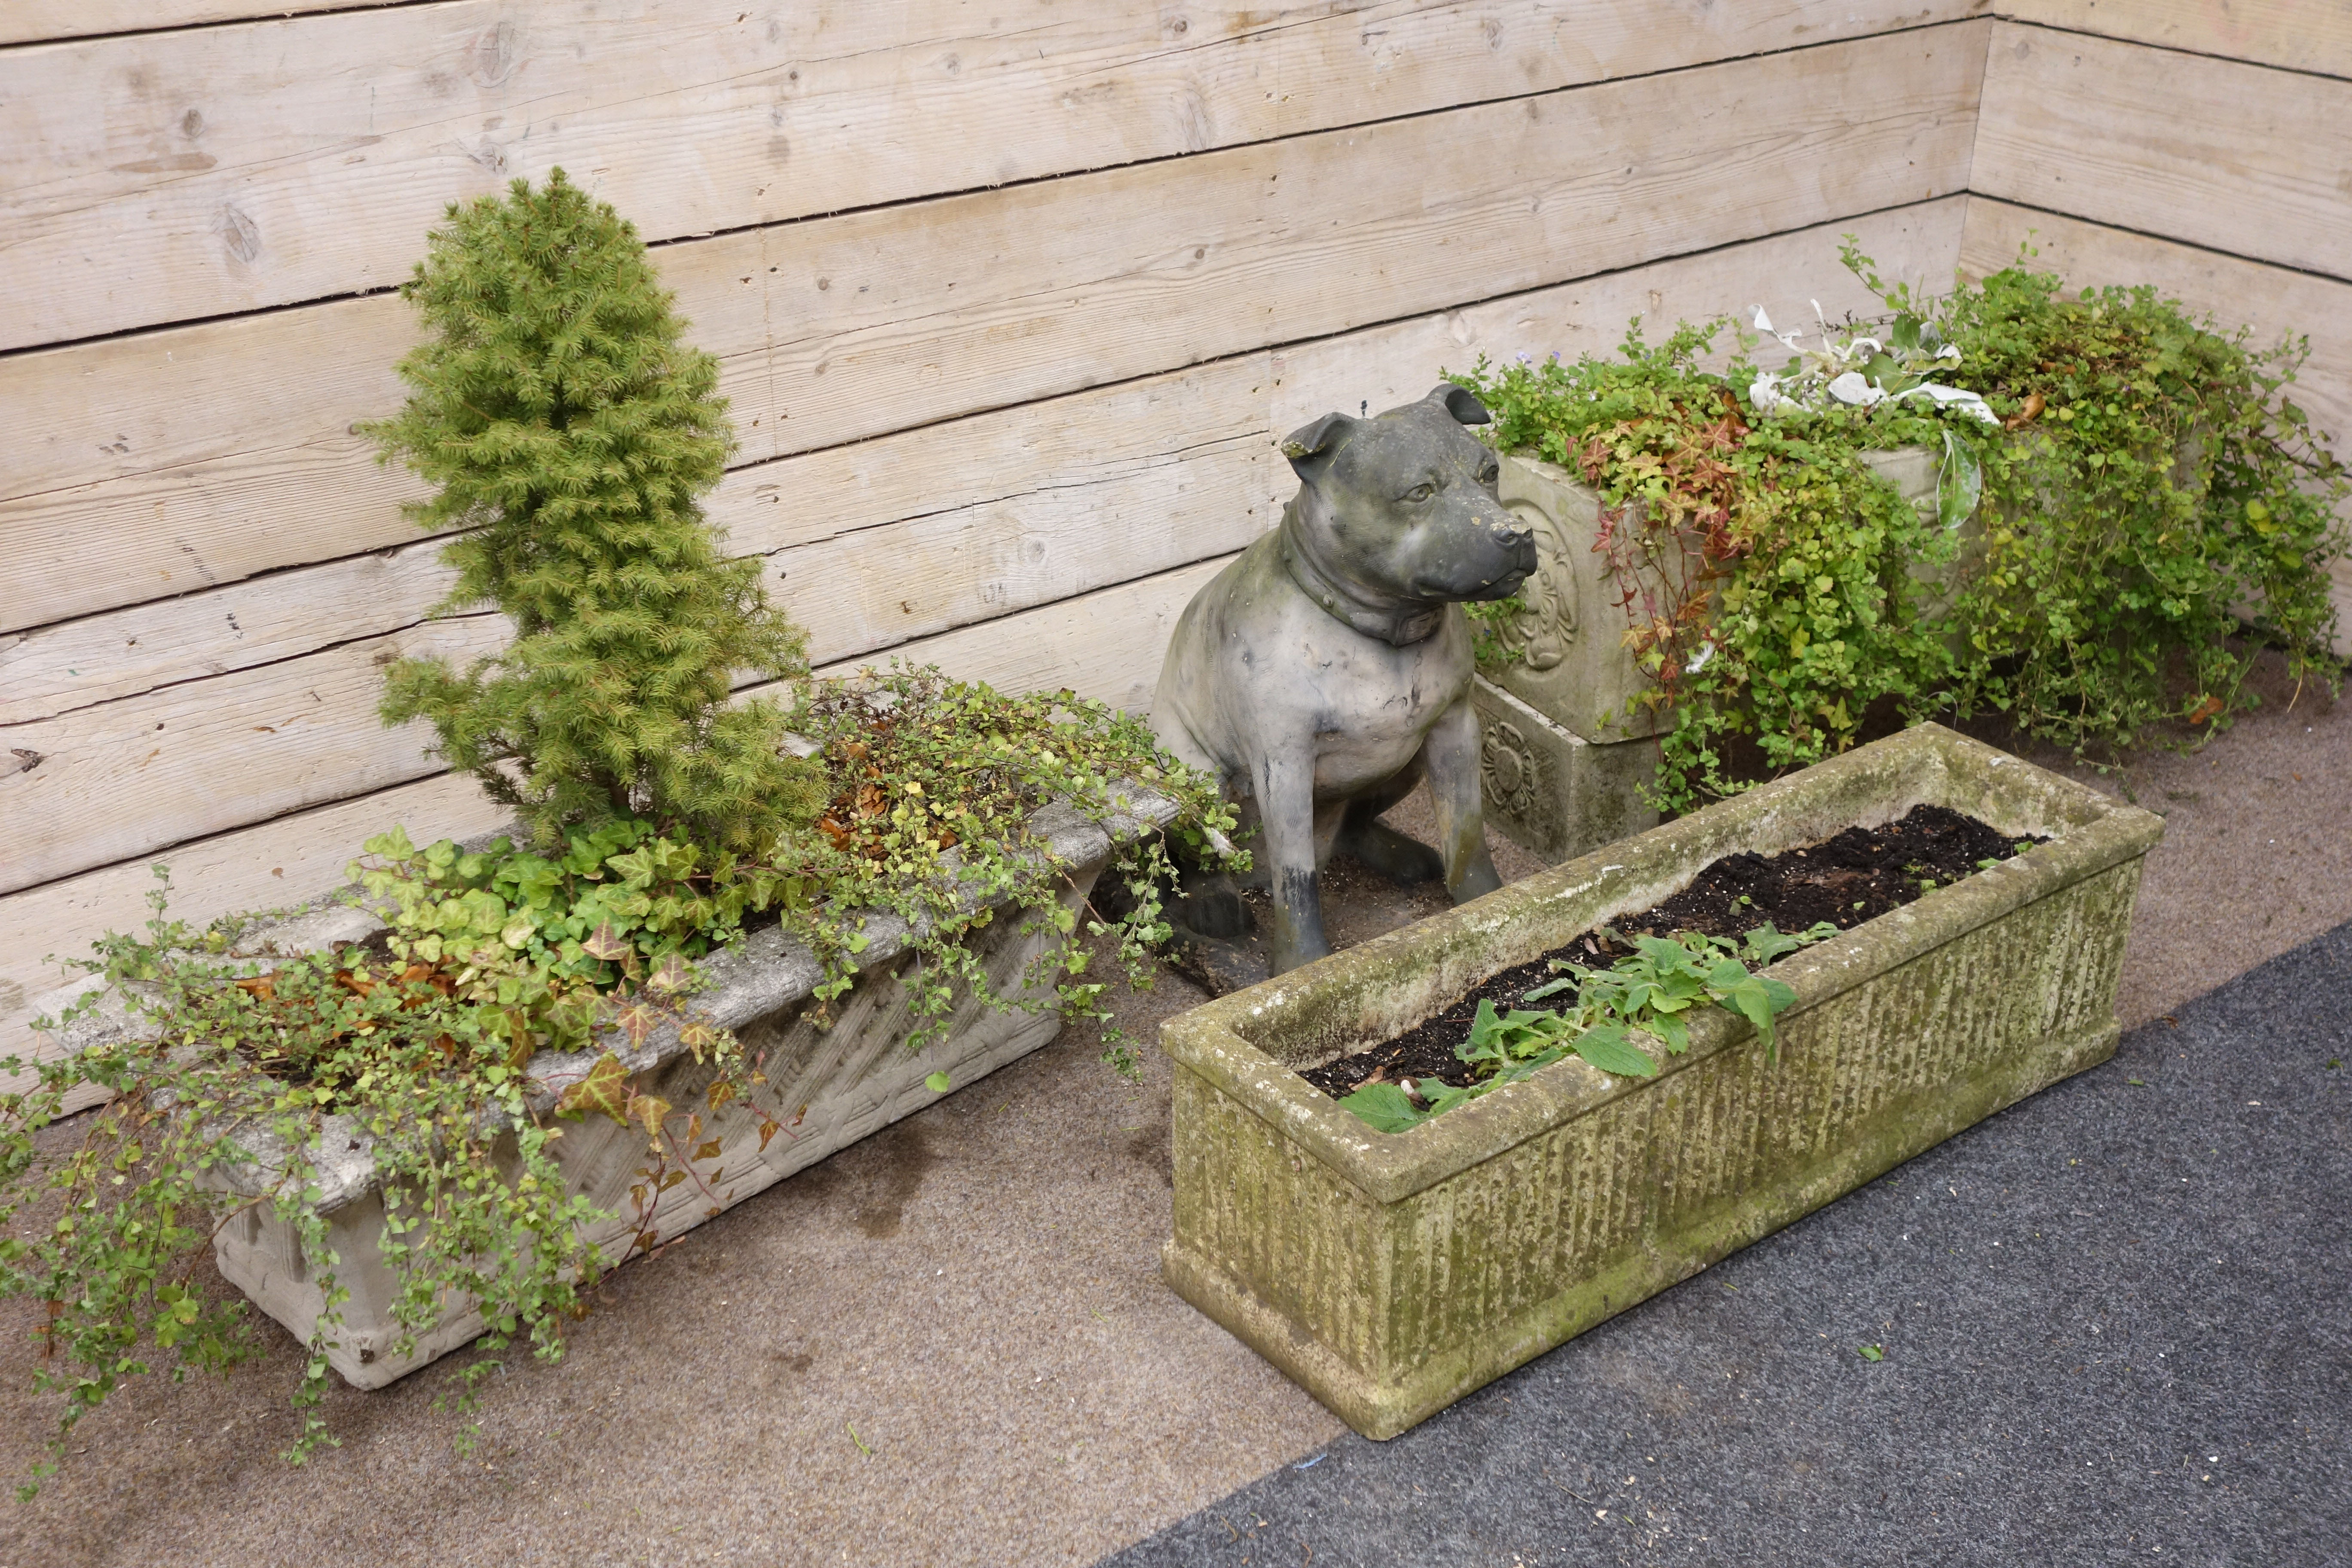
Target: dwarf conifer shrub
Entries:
(571, 432)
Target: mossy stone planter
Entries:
(1389, 1275)
(1566, 748)
(828, 1087)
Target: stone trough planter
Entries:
(1389, 1275)
(1566, 749)
(828, 1087)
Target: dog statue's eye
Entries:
(1420, 492)
(1489, 474)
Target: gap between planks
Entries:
(918, 315)
(1092, 498)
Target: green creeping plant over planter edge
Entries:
(2143, 487)
(569, 431)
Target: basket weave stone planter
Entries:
(1567, 745)
(1389, 1275)
(828, 1087)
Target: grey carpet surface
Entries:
(2112, 1323)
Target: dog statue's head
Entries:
(1403, 507)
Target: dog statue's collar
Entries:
(1400, 622)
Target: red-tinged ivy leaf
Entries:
(673, 973)
(633, 1017)
(721, 1094)
(650, 1109)
(605, 1092)
(694, 1127)
(767, 1129)
(637, 1197)
(672, 1179)
(709, 1151)
(604, 943)
(699, 1037)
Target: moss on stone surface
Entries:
(1392, 1274)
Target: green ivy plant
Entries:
(1643, 997)
(570, 432)
(2140, 487)
(935, 783)
(421, 1044)
(1762, 566)
(425, 1036)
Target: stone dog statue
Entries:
(1327, 671)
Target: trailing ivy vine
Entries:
(570, 432)
(424, 1036)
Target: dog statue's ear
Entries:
(1460, 401)
(1313, 446)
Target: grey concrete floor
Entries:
(949, 1344)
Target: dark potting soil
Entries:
(1854, 877)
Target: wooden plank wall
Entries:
(2194, 146)
(1011, 303)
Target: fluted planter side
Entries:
(1390, 1275)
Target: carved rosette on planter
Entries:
(1390, 1274)
(828, 1087)
(1570, 696)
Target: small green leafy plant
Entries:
(570, 432)
(1620, 1016)
(2142, 491)
(934, 785)
(220, 1106)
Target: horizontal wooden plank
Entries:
(2273, 301)
(954, 526)
(2238, 158)
(985, 514)
(157, 178)
(2299, 35)
(35, 21)
(848, 328)
(1105, 646)
(126, 777)
(917, 533)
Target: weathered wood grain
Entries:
(1001, 511)
(34, 21)
(2238, 158)
(162, 177)
(2275, 303)
(2299, 35)
(844, 329)
(200, 757)
(1105, 646)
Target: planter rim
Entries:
(2092, 834)
(762, 973)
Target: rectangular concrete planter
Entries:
(828, 1087)
(1389, 1275)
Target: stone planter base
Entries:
(1550, 791)
(1567, 742)
(1389, 1275)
